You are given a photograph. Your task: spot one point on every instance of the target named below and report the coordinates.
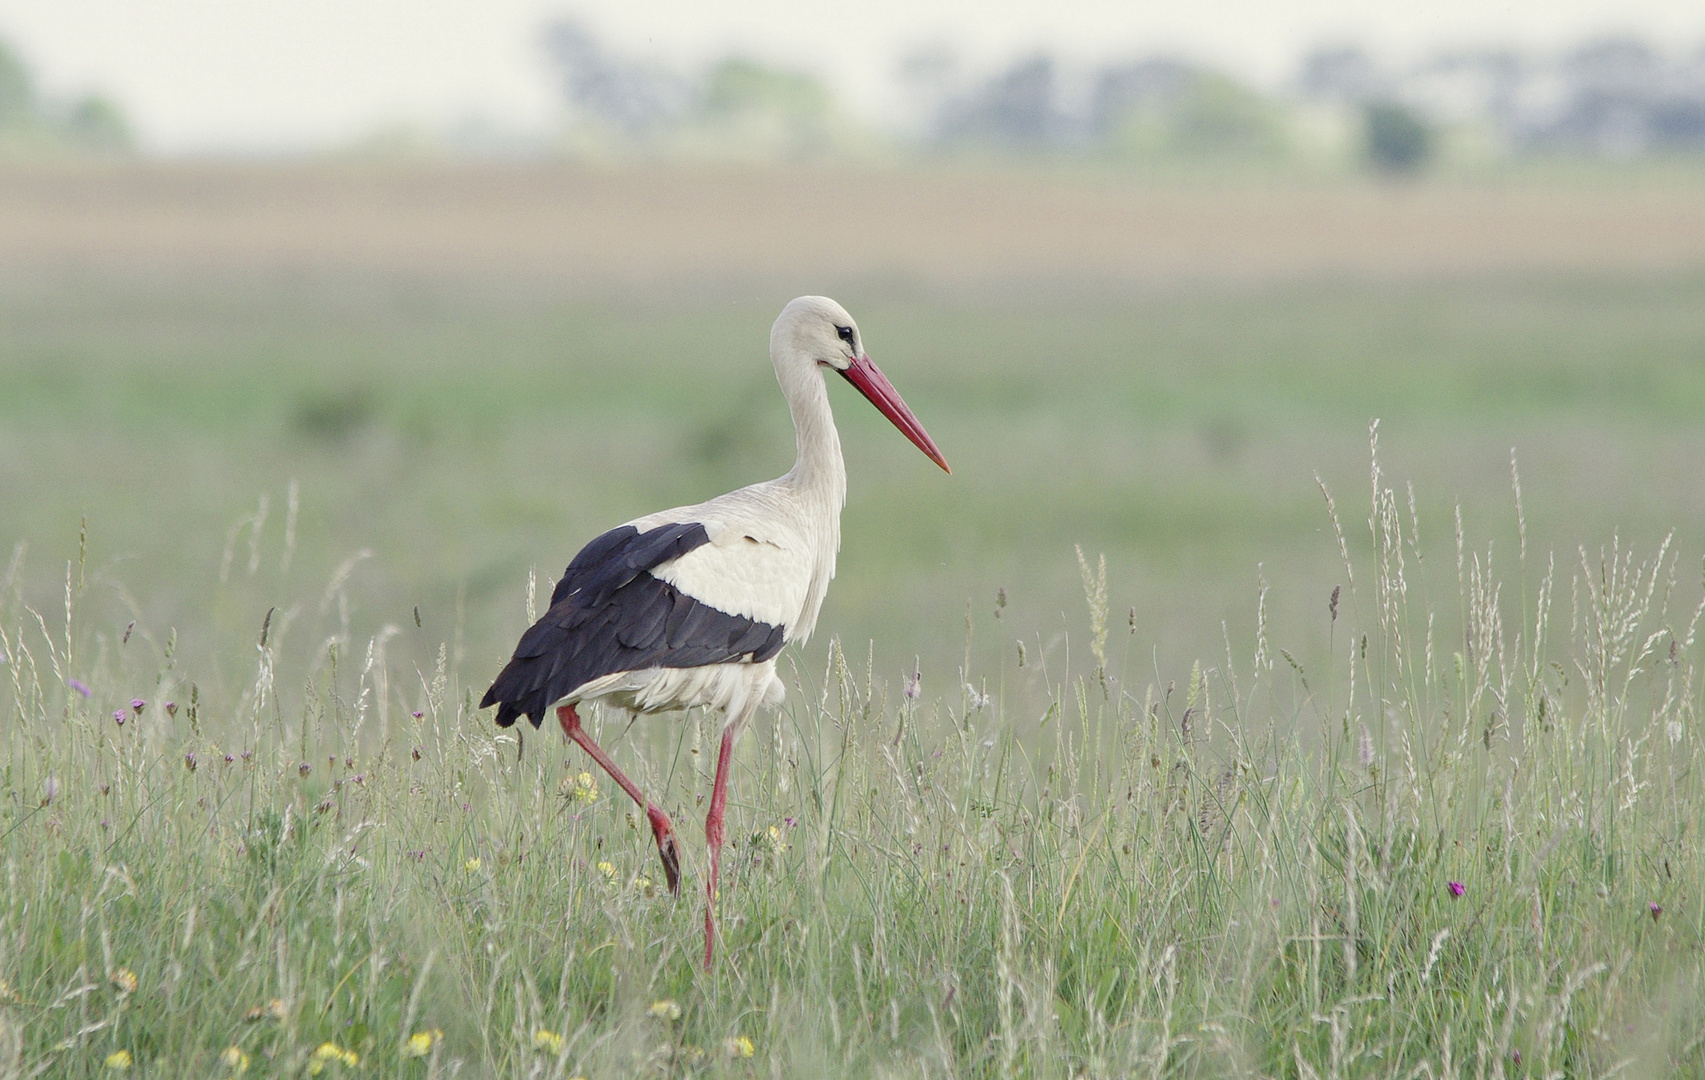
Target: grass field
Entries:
(1202, 826)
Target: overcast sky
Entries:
(271, 75)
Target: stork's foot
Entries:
(666, 849)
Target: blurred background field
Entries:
(469, 370)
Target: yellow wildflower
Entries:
(666, 1009)
(472, 865)
(329, 1052)
(120, 1060)
(739, 1046)
(420, 1043)
(642, 884)
(580, 789)
(548, 1041)
(124, 979)
(235, 1059)
(776, 842)
(608, 869)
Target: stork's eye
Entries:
(845, 333)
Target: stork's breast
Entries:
(743, 574)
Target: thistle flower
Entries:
(171, 708)
(119, 716)
(233, 1058)
(667, 1009)
(416, 714)
(137, 705)
(124, 979)
(548, 1041)
(78, 686)
(1456, 888)
(120, 1060)
(976, 701)
(190, 761)
(274, 1008)
(1656, 909)
(304, 769)
(420, 1043)
(738, 1046)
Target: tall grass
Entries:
(1464, 847)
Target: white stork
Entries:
(689, 607)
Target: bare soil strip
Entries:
(634, 225)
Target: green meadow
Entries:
(1247, 744)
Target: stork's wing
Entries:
(610, 614)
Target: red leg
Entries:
(660, 828)
(713, 834)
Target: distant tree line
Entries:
(30, 121)
(737, 106)
(1614, 98)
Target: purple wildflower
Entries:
(304, 769)
(229, 759)
(189, 761)
(1456, 888)
(77, 686)
(171, 708)
(1656, 909)
(415, 714)
(914, 686)
(118, 716)
(137, 705)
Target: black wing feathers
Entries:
(608, 614)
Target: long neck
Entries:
(818, 472)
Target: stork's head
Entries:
(814, 330)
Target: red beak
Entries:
(875, 386)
